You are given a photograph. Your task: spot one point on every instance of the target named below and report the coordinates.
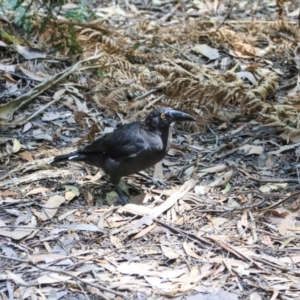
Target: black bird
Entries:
(130, 148)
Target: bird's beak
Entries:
(178, 116)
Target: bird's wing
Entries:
(123, 143)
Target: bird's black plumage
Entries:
(130, 148)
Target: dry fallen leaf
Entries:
(39, 190)
(284, 219)
(188, 249)
(82, 227)
(215, 169)
(71, 192)
(26, 155)
(207, 51)
(116, 241)
(17, 234)
(30, 53)
(252, 149)
(16, 278)
(155, 282)
(52, 278)
(66, 214)
(144, 231)
(140, 269)
(16, 146)
(169, 253)
(222, 180)
(269, 187)
(51, 207)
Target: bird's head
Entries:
(164, 116)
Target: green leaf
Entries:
(227, 187)
(73, 189)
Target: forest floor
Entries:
(228, 224)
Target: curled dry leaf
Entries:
(222, 180)
(189, 251)
(51, 207)
(30, 53)
(33, 75)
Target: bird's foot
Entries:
(122, 201)
(162, 184)
(122, 198)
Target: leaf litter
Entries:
(227, 224)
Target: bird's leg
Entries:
(122, 198)
(158, 182)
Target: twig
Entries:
(151, 103)
(68, 274)
(253, 227)
(16, 184)
(216, 136)
(179, 51)
(24, 121)
(97, 257)
(184, 233)
(113, 89)
(187, 263)
(226, 17)
(83, 291)
(229, 210)
(282, 201)
(268, 180)
(241, 21)
(287, 270)
(146, 94)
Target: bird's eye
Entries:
(162, 116)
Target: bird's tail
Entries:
(73, 156)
